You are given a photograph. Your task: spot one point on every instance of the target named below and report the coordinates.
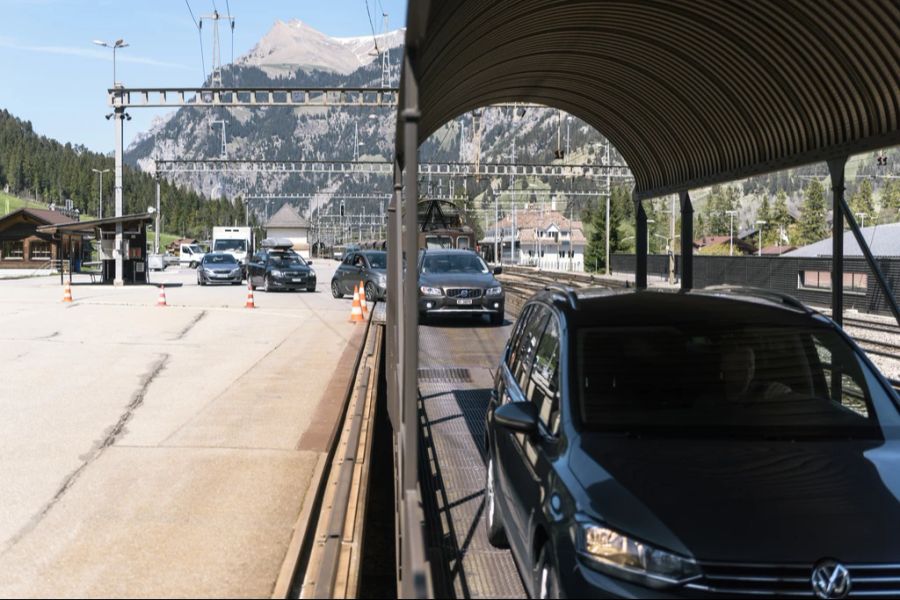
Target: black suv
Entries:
(692, 444)
(280, 269)
(458, 282)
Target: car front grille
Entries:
(867, 580)
(464, 292)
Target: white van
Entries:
(190, 255)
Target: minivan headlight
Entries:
(620, 556)
(431, 291)
(494, 291)
(277, 273)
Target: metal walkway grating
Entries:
(452, 404)
(456, 375)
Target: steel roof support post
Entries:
(411, 560)
(640, 246)
(836, 169)
(687, 241)
(394, 237)
(870, 259)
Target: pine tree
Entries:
(781, 218)
(862, 203)
(813, 215)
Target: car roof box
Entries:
(277, 243)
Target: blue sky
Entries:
(53, 76)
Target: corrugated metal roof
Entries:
(883, 240)
(690, 93)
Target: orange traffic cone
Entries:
(356, 315)
(67, 293)
(362, 299)
(162, 296)
(250, 302)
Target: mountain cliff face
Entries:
(294, 54)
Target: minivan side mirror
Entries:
(498, 270)
(309, 262)
(518, 416)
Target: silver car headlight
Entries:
(431, 291)
(618, 555)
(312, 272)
(277, 273)
(494, 291)
(235, 272)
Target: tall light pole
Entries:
(731, 214)
(760, 223)
(115, 46)
(100, 216)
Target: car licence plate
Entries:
(298, 280)
(464, 301)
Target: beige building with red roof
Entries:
(547, 239)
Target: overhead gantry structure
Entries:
(690, 93)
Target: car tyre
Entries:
(193, 264)
(371, 292)
(497, 319)
(495, 532)
(336, 290)
(546, 581)
(311, 290)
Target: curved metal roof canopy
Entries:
(691, 93)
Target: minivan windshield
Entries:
(771, 382)
(230, 245)
(464, 262)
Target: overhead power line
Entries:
(199, 27)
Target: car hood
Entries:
(473, 280)
(302, 270)
(753, 501)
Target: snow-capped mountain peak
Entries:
(294, 44)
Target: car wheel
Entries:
(267, 287)
(336, 290)
(371, 293)
(497, 319)
(495, 532)
(546, 581)
(423, 317)
(311, 290)
(193, 265)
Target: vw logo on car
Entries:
(830, 579)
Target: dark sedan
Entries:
(368, 267)
(280, 269)
(458, 282)
(683, 445)
(218, 267)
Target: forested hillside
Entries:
(37, 167)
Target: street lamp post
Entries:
(862, 217)
(100, 216)
(731, 214)
(115, 46)
(760, 223)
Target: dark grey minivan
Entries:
(368, 267)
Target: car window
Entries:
(359, 261)
(348, 260)
(737, 380)
(512, 357)
(527, 346)
(543, 388)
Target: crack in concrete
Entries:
(189, 326)
(108, 440)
